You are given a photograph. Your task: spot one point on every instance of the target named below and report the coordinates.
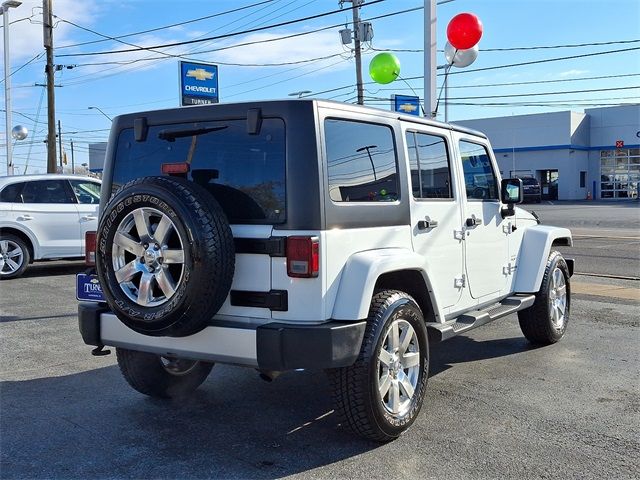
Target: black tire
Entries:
(20, 249)
(538, 323)
(200, 277)
(157, 377)
(356, 388)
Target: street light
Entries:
(97, 108)
(368, 150)
(7, 80)
(300, 93)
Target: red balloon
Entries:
(464, 31)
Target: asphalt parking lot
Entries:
(495, 408)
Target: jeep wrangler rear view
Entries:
(308, 234)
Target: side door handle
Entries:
(88, 218)
(473, 221)
(427, 223)
(24, 217)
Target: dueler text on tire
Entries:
(165, 256)
(545, 322)
(14, 256)
(380, 395)
(161, 377)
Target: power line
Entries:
(495, 67)
(186, 22)
(513, 49)
(533, 82)
(218, 37)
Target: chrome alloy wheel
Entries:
(398, 367)
(11, 257)
(557, 299)
(178, 366)
(148, 257)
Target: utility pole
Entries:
(356, 37)
(73, 165)
(60, 145)
(47, 21)
(430, 18)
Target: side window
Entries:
(46, 191)
(430, 167)
(86, 192)
(479, 177)
(361, 162)
(11, 193)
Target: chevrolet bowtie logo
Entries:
(200, 74)
(408, 107)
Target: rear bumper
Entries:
(270, 346)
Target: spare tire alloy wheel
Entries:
(148, 257)
(165, 256)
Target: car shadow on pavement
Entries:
(93, 425)
(463, 349)
(45, 269)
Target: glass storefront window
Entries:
(619, 173)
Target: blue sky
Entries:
(153, 84)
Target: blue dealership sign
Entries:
(198, 83)
(406, 104)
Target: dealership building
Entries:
(595, 154)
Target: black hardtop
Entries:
(269, 108)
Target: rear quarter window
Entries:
(11, 193)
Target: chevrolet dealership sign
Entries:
(198, 83)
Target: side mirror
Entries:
(510, 193)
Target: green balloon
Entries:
(384, 68)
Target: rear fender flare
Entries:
(360, 274)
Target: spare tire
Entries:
(165, 256)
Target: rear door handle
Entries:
(25, 217)
(473, 221)
(427, 223)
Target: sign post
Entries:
(198, 83)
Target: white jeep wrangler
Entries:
(308, 234)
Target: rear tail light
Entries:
(90, 248)
(303, 257)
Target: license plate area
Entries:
(88, 288)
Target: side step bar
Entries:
(473, 319)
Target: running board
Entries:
(475, 318)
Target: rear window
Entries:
(529, 181)
(11, 193)
(245, 173)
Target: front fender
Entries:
(360, 274)
(535, 249)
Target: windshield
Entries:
(529, 181)
(244, 172)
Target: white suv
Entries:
(308, 234)
(44, 217)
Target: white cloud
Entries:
(572, 73)
(314, 45)
(26, 35)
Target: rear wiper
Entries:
(171, 135)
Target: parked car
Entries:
(309, 234)
(44, 217)
(531, 190)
